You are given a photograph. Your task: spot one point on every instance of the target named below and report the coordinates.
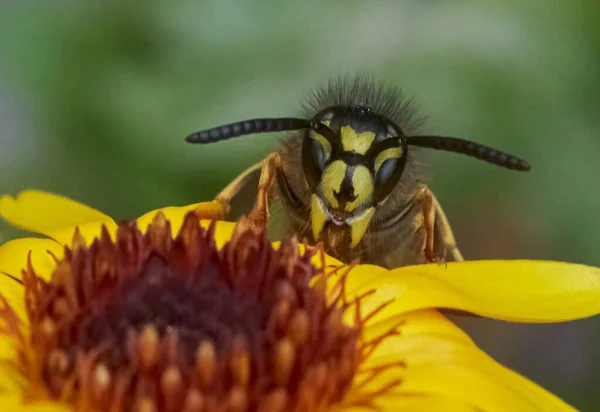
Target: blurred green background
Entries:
(96, 97)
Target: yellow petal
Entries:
(89, 231)
(415, 403)
(15, 403)
(11, 379)
(7, 352)
(175, 215)
(14, 293)
(440, 366)
(13, 256)
(518, 290)
(52, 215)
(468, 374)
(421, 322)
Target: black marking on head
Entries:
(346, 193)
(355, 159)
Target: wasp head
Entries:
(352, 160)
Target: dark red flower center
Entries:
(149, 322)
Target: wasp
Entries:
(346, 176)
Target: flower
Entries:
(176, 312)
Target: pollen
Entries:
(156, 322)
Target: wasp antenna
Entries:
(247, 127)
(456, 145)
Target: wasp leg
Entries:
(268, 174)
(437, 229)
(425, 199)
(444, 231)
(226, 195)
(212, 211)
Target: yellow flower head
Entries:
(174, 312)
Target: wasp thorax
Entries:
(352, 160)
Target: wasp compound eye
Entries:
(316, 152)
(388, 166)
(313, 161)
(386, 178)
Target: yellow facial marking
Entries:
(391, 153)
(318, 216)
(359, 225)
(358, 142)
(324, 142)
(326, 122)
(332, 181)
(363, 187)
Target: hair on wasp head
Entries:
(352, 150)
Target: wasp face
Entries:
(352, 161)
